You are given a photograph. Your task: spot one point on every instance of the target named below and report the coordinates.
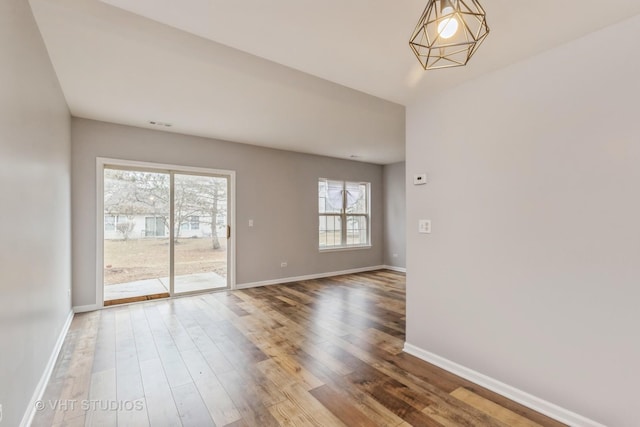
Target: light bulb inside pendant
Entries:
(448, 26)
(448, 33)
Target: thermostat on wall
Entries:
(420, 179)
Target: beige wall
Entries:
(277, 189)
(35, 215)
(395, 215)
(531, 273)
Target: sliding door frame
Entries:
(172, 221)
(171, 170)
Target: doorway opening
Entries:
(166, 231)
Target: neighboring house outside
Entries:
(140, 226)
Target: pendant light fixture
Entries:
(449, 33)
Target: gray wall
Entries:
(277, 189)
(394, 215)
(35, 215)
(531, 273)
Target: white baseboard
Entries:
(85, 308)
(27, 419)
(398, 269)
(308, 277)
(549, 409)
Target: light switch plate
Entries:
(424, 226)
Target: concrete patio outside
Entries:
(141, 290)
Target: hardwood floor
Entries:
(321, 352)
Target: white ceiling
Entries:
(363, 44)
(181, 62)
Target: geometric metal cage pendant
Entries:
(449, 33)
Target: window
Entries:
(110, 223)
(154, 226)
(194, 222)
(190, 223)
(343, 209)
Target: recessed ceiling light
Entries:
(167, 125)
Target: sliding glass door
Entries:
(165, 232)
(136, 235)
(200, 232)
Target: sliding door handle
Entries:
(228, 232)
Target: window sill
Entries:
(344, 248)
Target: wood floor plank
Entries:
(102, 389)
(135, 417)
(308, 408)
(191, 408)
(373, 382)
(380, 340)
(128, 376)
(322, 356)
(180, 336)
(323, 352)
(220, 406)
(280, 353)
(215, 358)
(276, 374)
(73, 422)
(175, 370)
(61, 381)
(161, 406)
(287, 414)
(247, 399)
(492, 409)
(376, 411)
(77, 387)
(341, 408)
(145, 346)
(449, 417)
(399, 378)
(511, 405)
(105, 353)
(214, 396)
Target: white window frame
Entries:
(343, 218)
